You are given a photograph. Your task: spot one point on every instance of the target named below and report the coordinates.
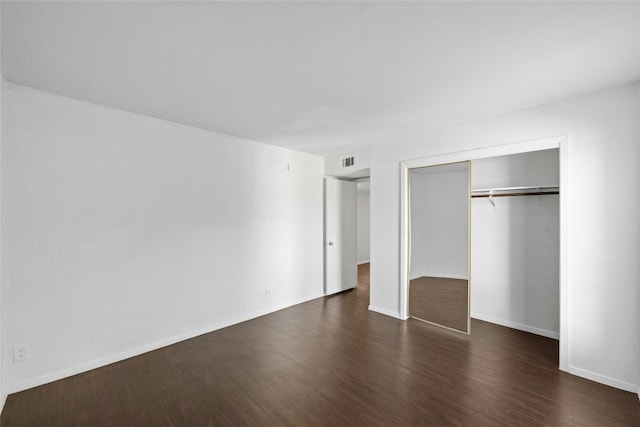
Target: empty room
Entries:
(227, 213)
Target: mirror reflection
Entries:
(439, 245)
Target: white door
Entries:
(340, 236)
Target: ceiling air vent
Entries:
(347, 161)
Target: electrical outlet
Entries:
(20, 353)
(267, 293)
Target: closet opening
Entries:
(518, 209)
(515, 241)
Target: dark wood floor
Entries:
(440, 300)
(330, 362)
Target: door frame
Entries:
(559, 142)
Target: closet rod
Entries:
(534, 190)
(540, 193)
(518, 189)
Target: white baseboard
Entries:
(518, 326)
(386, 312)
(603, 379)
(363, 262)
(104, 361)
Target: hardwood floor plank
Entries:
(331, 362)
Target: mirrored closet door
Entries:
(439, 245)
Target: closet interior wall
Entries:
(515, 244)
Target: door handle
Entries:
(330, 243)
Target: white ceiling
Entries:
(322, 77)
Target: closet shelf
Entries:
(516, 191)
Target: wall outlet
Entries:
(267, 293)
(20, 353)
(289, 167)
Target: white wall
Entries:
(604, 234)
(515, 246)
(123, 233)
(439, 222)
(363, 222)
(533, 168)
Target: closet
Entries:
(484, 242)
(515, 241)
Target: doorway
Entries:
(346, 232)
(340, 247)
